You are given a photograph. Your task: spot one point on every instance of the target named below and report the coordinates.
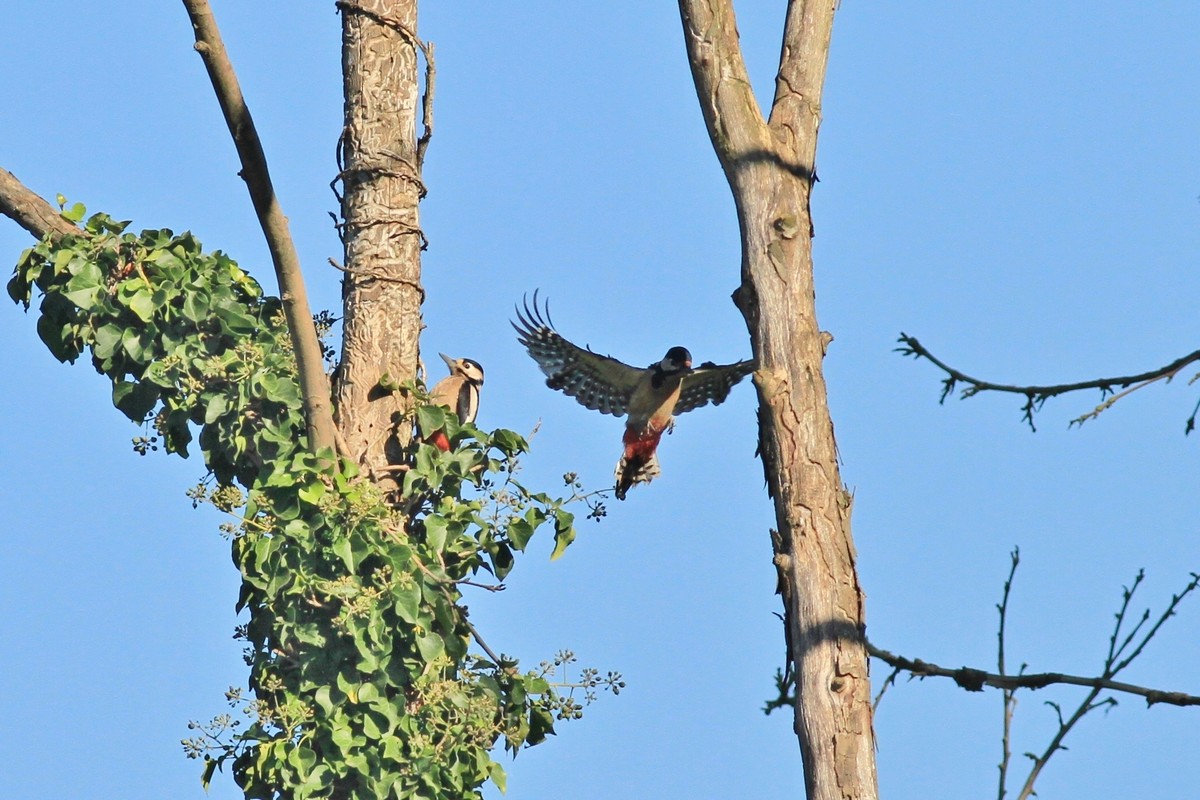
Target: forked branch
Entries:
(314, 384)
(1124, 647)
(1036, 396)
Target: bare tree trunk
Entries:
(769, 165)
(381, 182)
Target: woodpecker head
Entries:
(677, 360)
(465, 367)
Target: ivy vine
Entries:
(364, 676)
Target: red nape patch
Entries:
(438, 439)
(640, 445)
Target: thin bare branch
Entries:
(1009, 698)
(462, 615)
(1037, 395)
(1176, 599)
(1064, 727)
(26, 208)
(314, 384)
(1111, 667)
(1127, 593)
(491, 587)
(889, 681)
(974, 680)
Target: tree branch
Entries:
(26, 208)
(798, 81)
(973, 680)
(1036, 396)
(731, 112)
(314, 384)
(1010, 702)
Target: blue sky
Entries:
(1016, 186)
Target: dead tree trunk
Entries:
(770, 168)
(381, 187)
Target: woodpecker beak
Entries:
(450, 362)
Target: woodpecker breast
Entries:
(652, 404)
(459, 391)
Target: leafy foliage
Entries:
(362, 680)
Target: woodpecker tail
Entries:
(632, 470)
(639, 461)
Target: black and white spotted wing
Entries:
(710, 383)
(601, 383)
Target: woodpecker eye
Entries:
(677, 358)
(472, 369)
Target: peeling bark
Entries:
(381, 187)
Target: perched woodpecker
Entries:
(459, 392)
(651, 396)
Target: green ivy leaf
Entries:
(312, 493)
(134, 399)
(195, 306)
(431, 418)
(541, 725)
(166, 261)
(342, 549)
(564, 532)
(134, 342)
(388, 384)
(74, 213)
(142, 304)
(324, 698)
(520, 531)
(509, 442)
(436, 529)
(431, 646)
(302, 758)
(57, 338)
(536, 684)
(408, 603)
(105, 340)
(502, 561)
(19, 287)
(210, 768)
(498, 776)
(218, 404)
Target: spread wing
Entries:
(710, 383)
(601, 383)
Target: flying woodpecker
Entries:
(650, 396)
(459, 392)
